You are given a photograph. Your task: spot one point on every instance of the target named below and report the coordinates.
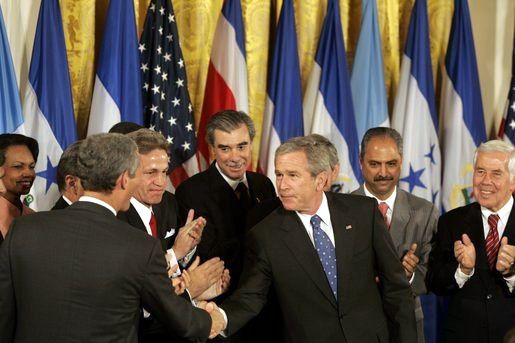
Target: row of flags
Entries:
(145, 82)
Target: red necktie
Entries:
(383, 208)
(153, 224)
(492, 240)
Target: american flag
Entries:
(507, 130)
(167, 105)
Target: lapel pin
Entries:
(348, 227)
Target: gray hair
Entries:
(67, 164)
(316, 154)
(227, 121)
(103, 158)
(148, 140)
(383, 132)
(499, 146)
(326, 144)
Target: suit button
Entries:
(489, 296)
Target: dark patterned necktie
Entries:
(492, 240)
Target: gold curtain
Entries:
(196, 20)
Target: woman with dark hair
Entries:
(18, 156)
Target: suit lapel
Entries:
(509, 231)
(301, 247)
(401, 217)
(344, 232)
(134, 219)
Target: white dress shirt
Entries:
(504, 214)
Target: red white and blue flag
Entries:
(226, 84)
(283, 111)
(328, 108)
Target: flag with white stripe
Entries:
(226, 84)
(283, 110)
(462, 110)
(48, 105)
(328, 108)
(117, 92)
(414, 114)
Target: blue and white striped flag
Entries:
(10, 107)
(414, 114)
(283, 112)
(48, 104)
(462, 110)
(117, 94)
(327, 104)
(367, 77)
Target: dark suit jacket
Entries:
(414, 220)
(60, 204)
(281, 254)
(483, 310)
(81, 275)
(166, 213)
(212, 197)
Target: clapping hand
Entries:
(465, 254)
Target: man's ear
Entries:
(321, 180)
(123, 179)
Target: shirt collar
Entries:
(231, 182)
(390, 201)
(504, 212)
(68, 201)
(322, 212)
(98, 202)
(144, 211)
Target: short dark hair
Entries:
(148, 140)
(384, 132)
(227, 121)
(12, 139)
(67, 164)
(125, 127)
(103, 158)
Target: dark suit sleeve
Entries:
(7, 301)
(396, 292)
(251, 294)
(419, 285)
(442, 263)
(175, 313)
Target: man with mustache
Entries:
(473, 258)
(410, 220)
(19, 154)
(225, 192)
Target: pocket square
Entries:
(348, 227)
(170, 232)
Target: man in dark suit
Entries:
(321, 253)
(154, 211)
(472, 261)
(411, 220)
(67, 180)
(225, 192)
(88, 273)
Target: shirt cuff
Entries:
(412, 278)
(510, 282)
(461, 277)
(186, 259)
(172, 261)
(223, 333)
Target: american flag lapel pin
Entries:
(348, 227)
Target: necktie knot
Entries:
(153, 224)
(383, 208)
(315, 221)
(493, 219)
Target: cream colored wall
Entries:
(493, 26)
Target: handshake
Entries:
(218, 321)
